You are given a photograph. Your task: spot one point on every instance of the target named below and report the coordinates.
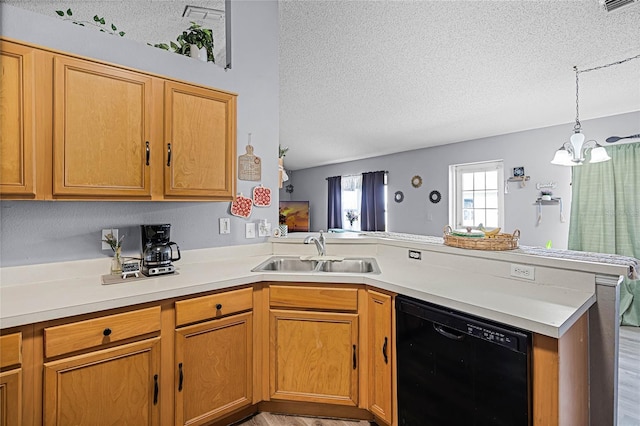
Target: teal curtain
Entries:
(605, 215)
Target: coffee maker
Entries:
(157, 250)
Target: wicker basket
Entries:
(498, 242)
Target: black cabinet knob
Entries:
(219, 306)
(107, 331)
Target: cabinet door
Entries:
(380, 352)
(199, 141)
(11, 398)
(116, 386)
(213, 369)
(101, 130)
(314, 357)
(17, 139)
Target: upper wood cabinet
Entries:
(199, 160)
(106, 132)
(102, 126)
(17, 121)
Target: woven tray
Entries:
(498, 242)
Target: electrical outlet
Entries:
(415, 254)
(523, 271)
(250, 230)
(225, 225)
(103, 237)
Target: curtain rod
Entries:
(383, 171)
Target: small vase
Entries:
(116, 262)
(284, 230)
(196, 53)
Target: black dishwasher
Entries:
(456, 369)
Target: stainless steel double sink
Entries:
(359, 265)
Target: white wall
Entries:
(531, 149)
(40, 232)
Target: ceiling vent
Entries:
(203, 13)
(611, 5)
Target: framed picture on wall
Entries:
(295, 214)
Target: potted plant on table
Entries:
(116, 246)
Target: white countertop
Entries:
(475, 282)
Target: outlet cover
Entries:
(523, 271)
(103, 237)
(250, 230)
(225, 225)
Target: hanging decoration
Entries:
(435, 196)
(261, 196)
(249, 165)
(241, 207)
(416, 181)
(282, 173)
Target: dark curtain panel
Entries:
(372, 208)
(334, 213)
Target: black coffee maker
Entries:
(157, 250)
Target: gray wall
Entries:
(531, 149)
(41, 232)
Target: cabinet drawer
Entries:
(322, 298)
(95, 332)
(11, 350)
(216, 305)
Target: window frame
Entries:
(456, 202)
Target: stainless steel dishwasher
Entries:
(456, 369)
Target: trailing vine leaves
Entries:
(98, 22)
(195, 34)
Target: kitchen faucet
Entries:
(320, 243)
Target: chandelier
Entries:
(573, 151)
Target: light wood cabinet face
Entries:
(11, 398)
(101, 127)
(17, 138)
(199, 142)
(314, 357)
(213, 369)
(112, 386)
(380, 352)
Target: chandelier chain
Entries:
(577, 126)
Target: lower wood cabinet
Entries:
(214, 362)
(119, 385)
(11, 380)
(380, 351)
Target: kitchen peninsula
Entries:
(567, 300)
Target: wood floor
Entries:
(268, 419)
(628, 392)
(629, 377)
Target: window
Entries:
(476, 194)
(351, 199)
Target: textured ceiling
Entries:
(365, 78)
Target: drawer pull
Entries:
(218, 306)
(155, 390)
(355, 360)
(106, 331)
(384, 351)
(181, 379)
(168, 155)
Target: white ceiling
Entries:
(366, 78)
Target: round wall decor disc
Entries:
(435, 197)
(416, 181)
(398, 196)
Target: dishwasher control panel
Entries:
(492, 335)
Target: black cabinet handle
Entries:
(168, 154)
(384, 350)
(355, 359)
(156, 389)
(181, 379)
(218, 306)
(148, 153)
(106, 331)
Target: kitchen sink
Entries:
(358, 265)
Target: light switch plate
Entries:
(264, 229)
(250, 230)
(225, 225)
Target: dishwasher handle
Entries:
(447, 334)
